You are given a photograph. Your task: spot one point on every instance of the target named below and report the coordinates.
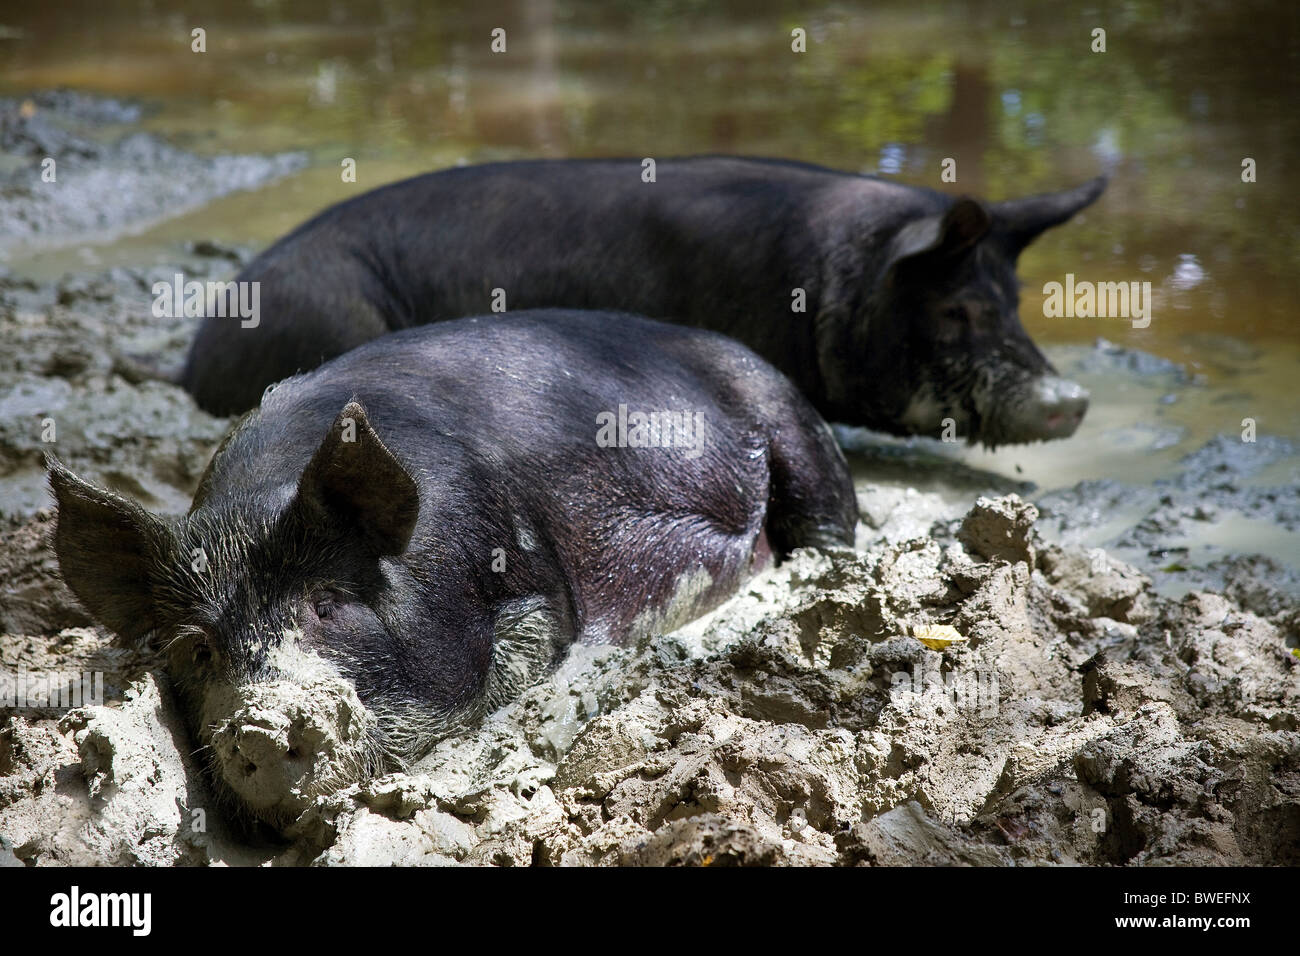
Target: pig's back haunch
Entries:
(499, 415)
(715, 242)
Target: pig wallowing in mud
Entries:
(909, 297)
(402, 540)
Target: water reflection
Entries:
(1188, 274)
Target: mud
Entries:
(1085, 719)
(108, 179)
(1124, 690)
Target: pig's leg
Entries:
(811, 502)
(530, 635)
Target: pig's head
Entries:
(285, 620)
(939, 336)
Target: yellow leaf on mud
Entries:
(937, 636)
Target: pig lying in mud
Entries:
(908, 297)
(402, 540)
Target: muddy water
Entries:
(1012, 91)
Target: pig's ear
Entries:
(353, 479)
(943, 238)
(108, 549)
(1018, 222)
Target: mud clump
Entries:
(1084, 719)
(32, 598)
(1000, 528)
(111, 785)
(65, 390)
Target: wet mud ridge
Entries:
(973, 696)
(74, 168)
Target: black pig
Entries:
(910, 296)
(398, 542)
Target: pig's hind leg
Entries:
(811, 502)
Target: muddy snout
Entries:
(266, 756)
(282, 745)
(1053, 408)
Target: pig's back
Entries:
(487, 375)
(517, 401)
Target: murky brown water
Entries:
(1011, 90)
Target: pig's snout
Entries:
(279, 743)
(267, 757)
(1053, 408)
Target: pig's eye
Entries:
(200, 651)
(325, 605)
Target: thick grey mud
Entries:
(1082, 718)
